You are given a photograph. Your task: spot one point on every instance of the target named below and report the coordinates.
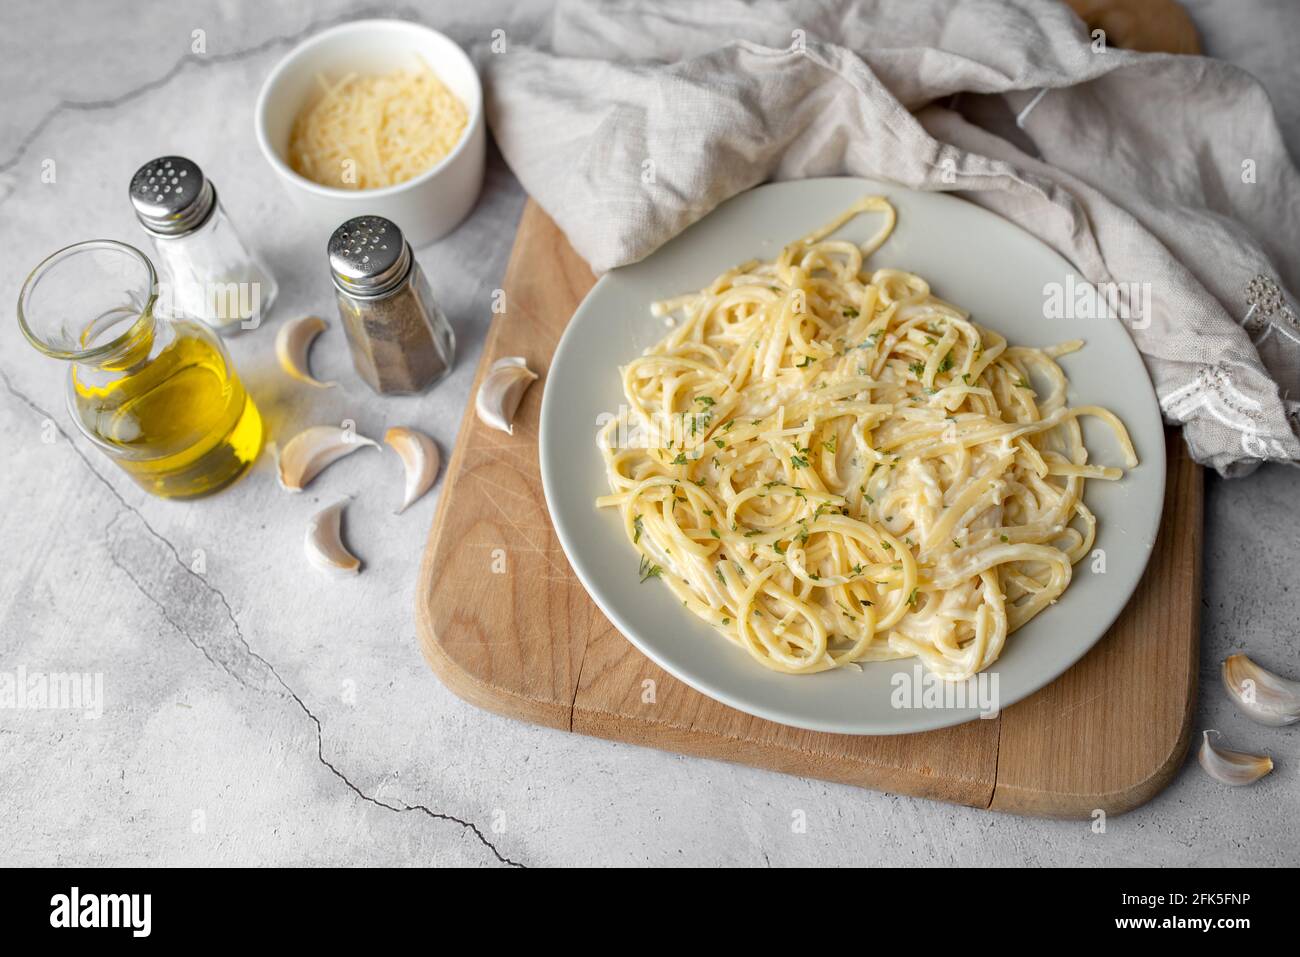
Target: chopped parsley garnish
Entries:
(911, 597)
(636, 524)
(798, 461)
(850, 312)
(648, 571)
(917, 368)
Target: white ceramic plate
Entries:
(970, 257)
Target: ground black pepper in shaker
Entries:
(401, 341)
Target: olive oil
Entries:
(180, 423)
(157, 395)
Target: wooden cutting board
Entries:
(506, 625)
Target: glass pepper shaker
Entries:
(401, 341)
(208, 273)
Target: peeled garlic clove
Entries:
(324, 544)
(1232, 767)
(311, 450)
(292, 345)
(1265, 697)
(503, 386)
(419, 457)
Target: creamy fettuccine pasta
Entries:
(831, 466)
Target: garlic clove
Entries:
(293, 344)
(1265, 697)
(503, 386)
(419, 457)
(306, 454)
(1232, 767)
(324, 544)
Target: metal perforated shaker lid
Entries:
(368, 257)
(171, 196)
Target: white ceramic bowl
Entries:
(424, 208)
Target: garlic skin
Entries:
(293, 344)
(324, 542)
(1264, 697)
(503, 386)
(308, 453)
(1235, 768)
(420, 459)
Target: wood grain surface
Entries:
(507, 626)
(1150, 26)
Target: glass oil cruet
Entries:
(157, 396)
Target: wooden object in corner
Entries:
(1149, 26)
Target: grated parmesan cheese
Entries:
(366, 132)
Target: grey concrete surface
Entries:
(257, 713)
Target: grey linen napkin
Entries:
(1164, 178)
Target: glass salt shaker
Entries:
(401, 341)
(208, 272)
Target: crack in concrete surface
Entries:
(227, 657)
(197, 59)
